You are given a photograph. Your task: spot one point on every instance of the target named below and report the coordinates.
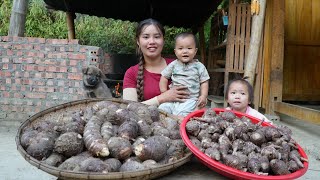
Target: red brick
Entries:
(19, 39)
(6, 94)
(37, 47)
(27, 46)
(49, 75)
(8, 81)
(5, 60)
(52, 69)
(62, 69)
(50, 89)
(40, 68)
(77, 56)
(26, 74)
(18, 95)
(75, 76)
(17, 46)
(73, 62)
(50, 83)
(36, 95)
(59, 41)
(27, 81)
(2, 88)
(83, 49)
(73, 41)
(20, 53)
(9, 52)
(63, 63)
(30, 103)
(7, 74)
(5, 66)
(7, 38)
(29, 67)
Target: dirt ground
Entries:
(14, 167)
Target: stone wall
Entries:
(38, 73)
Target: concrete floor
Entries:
(14, 167)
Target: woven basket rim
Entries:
(147, 173)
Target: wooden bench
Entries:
(216, 101)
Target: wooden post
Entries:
(255, 41)
(277, 49)
(18, 18)
(202, 45)
(70, 22)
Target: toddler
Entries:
(185, 71)
(239, 96)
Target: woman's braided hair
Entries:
(140, 27)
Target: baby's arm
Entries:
(163, 84)
(202, 100)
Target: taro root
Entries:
(123, 115)
(144, 129)
(203, 134)
(193, 127)
(170, 124)
(139, 140)
(232, 161)
(195, 141)
(249, 147)
(55, 159)
(107, 114)
(141, 110)
(279, 167)
(27, 136)
(175, 134)
(229, 132)
(155, 147)
(160, 131)
(213, 128)
(92, 164)
(76, 126)
(150, 163)
(213, 153)
(270, 152)
(105, 104)
(74, 161)
(272, 133)
(131, 166)
(119, 147)
(257, 138)
(69, 144)
(93, 139)
(113, 164)
(237, 144)
(154, 113)
(293, 166)
(176, 149)
(254, 166)
(265, 164)
(107, 130)
(295, 155)
(41, 146)
(128, 130)
(228, 116)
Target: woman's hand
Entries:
(175, 94)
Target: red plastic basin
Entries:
(229, 171)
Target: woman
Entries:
(141, 82)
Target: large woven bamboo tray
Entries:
(149, 173)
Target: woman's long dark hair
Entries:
(140, 27)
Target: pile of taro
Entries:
(240, 144)
(105, 137)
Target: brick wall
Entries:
(38, 73)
